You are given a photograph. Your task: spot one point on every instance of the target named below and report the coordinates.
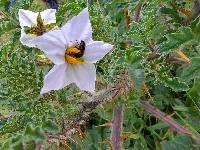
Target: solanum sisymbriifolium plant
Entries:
(58, 65)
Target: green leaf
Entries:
(172, 12)
(64, 9)
(175, 83)
(194, 92)
(159, 125)
(134, 56)
(17, 146)
(50, 126)
(138, 76)
(177, 39)
(179, 143)
(39, 134)
(36, 134)
(138, 146)
(4, 4)
(7, 26)
(192, 70)
(6, 146)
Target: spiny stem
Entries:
(165, 118)
(136, 16)
(117, 124)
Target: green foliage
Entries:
(50, 126)
(192, 70)
(6, 26)
(34, 133)
(176, 40)
(180, 142)
(67, 8)
(138, 76)
(146, 48)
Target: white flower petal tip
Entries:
(27, 17)
(57, 78)
(60, 76)
(96, 50)
(84, 12)
(79, 27)
(49, 16)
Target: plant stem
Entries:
(165, 118)
(117, 124)
(136, 16)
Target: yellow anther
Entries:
(73, 60)
(39, 28)
(70, 56)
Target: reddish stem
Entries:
(165, 118)
(117, 124)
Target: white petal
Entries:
(27, 18)
(84, 76)
(96, 50)
(49, 16)
(26, 39)
(59, 76)
(56, 79)
(53, 45)
(78, 28)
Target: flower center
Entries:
(39, 28)
(73, 55)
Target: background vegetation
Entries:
(155, 41)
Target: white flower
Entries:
(37, 22)
(73, 52)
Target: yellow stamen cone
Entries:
(73, 60)
(70, 58)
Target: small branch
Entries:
(121, 88)
(86, 107)
(117, 124)
(136, 16)
(165, 118)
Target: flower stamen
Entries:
(39, 28)
(70, 56)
